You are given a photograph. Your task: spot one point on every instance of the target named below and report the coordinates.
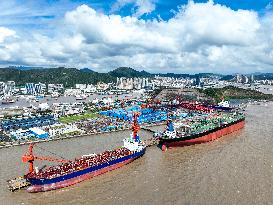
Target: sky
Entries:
(220, 36)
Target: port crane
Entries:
(29, 157)
(135, 127)
(21, 182)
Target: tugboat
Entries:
(81, 97)
(87, 166)
(223, 105)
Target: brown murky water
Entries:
(236, 169)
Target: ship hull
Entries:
(42, 185)
(7, 102)
(202, 137)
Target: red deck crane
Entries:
(135, 126)
(29, 157)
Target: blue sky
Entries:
(156, 35)
(33, 14)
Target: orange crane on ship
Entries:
(29, 157)
(136, 127)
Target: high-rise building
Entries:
(51, 88)
(197, 81)
(245, 79)
(238, 78)
(132, 83)
(252, 78)
(35, 89)
(7, 88)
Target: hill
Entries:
(70, 76)
(129, 73)
(264, 76)
(231, 92)
(67, 76)
(87, 70)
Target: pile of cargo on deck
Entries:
(196, 106)
(201, 123)
(215, 121)
(80, 164)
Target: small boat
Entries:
(7, 100)
(55, 95)
(81, 97)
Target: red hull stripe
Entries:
(69, 182)
(208, 137)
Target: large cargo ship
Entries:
(179, 135)
(85, 167)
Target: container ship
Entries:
(71, 172)
(204, 130)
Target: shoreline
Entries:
(144, 127)
(76, 136)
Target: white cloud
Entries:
(5, 33)
(120, 4)
(216, 25)
(119, 32)
(140, 7)
(269, 6)
(201, 37)
(144, 7)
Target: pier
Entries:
(151, 142)
(17, 183)
(148, 129)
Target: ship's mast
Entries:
(29, 158)
(135, 126)
(170, 126)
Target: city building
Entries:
(38, 133)
(35, 89)
(7, 88)
(27, 122)
(238, 78)
(80, 86)
(90, 88)
(102, 86)
(132, 83)
(55, 88)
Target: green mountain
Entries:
(129, 73)
(67, 76)
(198, 75)
(70, 76)
(228, 77)
(231, 92)
(264, 76)
(87, 70)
